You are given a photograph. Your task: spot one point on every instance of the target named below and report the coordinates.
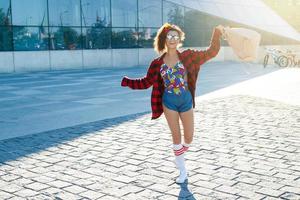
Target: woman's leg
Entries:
(173, 122)
(172, 118)
(187, 119)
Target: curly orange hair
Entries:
(160, 38)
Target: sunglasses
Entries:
(174, 37)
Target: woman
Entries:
(173, 76)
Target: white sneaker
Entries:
(182, 177)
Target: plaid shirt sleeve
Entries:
(201, 56)
(140, 83)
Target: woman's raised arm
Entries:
(201, 56)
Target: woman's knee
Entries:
(188, 138)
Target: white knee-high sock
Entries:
(179, 156)
(186, 146)
(180, 162)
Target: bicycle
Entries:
(291, 58)
(277, 57)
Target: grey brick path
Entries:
(244, 148)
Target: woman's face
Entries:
(172, 39)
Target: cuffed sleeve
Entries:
(124, 82)
(140, 83)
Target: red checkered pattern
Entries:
(191, 59)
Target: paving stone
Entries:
(292, 189)
(290, 196)
(36, 186)
(59, 184)
(5, 195)
(124, 179)
(248, 180)
(26, 193)
(11, 188)
(75, 189)
(270, 184)
(9, 177)
(65, 195)
(228, 189)
(270, 192)
(116, 191)
(241, 151)
(206, 184)
(223, 181)
(92, 194)
(251, 195)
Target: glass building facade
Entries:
(35, 25)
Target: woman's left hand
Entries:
(220, 28)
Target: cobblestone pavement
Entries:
(244, 148)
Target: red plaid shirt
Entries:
(191, 59)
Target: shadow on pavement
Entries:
(184, 193)
(19, 147)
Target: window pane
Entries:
(196, 38)
(62, 38)
(146, 37)
(5, 39)
(173, 14)
(124, 13)
(64, 13)
(96, 38)
(30, 38)
(146, 16)
(5, 14)
(124, 38)
(95, 12)
(33, 13)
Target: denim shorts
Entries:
(179, 103)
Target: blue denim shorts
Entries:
(179, 103)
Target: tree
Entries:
(176, 16)
(5, 32)
(66, 37)
(98, 36)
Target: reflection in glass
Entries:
(5, 12)
(5, 39)
(65, 38)
(173, 13)
(30, 38)
(206, 24)
(64, 13)
(33, 13)
(124, 13)
(146, 37)
(124, 38)
(146, 16)
(95, 11)
(96, 38)
(196, 38)
(193, 18)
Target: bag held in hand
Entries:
(244, 42)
